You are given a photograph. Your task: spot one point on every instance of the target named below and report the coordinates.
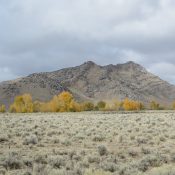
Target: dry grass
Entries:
(88, 143)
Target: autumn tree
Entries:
(54, 105)
(131, 105)
(75, 107)
(64, 102)
(2, 108)
(22, 104)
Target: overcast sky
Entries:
(46, 35)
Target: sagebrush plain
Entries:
(87, 143)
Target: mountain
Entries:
(90, 81)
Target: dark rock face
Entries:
(90, 81)
(38, 85)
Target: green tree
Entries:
(154, 105)
(2, 108)
(88, 106)
(101, 105)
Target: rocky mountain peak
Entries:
(131, 65)
(89, 63)
(94, 82)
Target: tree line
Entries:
(64, 102)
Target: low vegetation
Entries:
(87, 143)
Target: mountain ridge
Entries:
(90, 81)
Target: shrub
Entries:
(3, 138)
(133, 152)
(40, 159)
(102, 150)
(109, 166)
(41, 169)
(93, 159)
(164, 170)
(13, 161)
(56, 161)
(151, 161)
(98, 138)
(31, 140)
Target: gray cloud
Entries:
(43, 35)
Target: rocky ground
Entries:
(88, 143)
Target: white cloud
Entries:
(164, 70)
(44, 35)
(6, 74)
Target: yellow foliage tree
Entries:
(45, 107)
(64, 102)
(2, 108)
(22, 104)
(75, 107)
(131, 105)
(54, 105)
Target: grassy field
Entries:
(88, 143)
